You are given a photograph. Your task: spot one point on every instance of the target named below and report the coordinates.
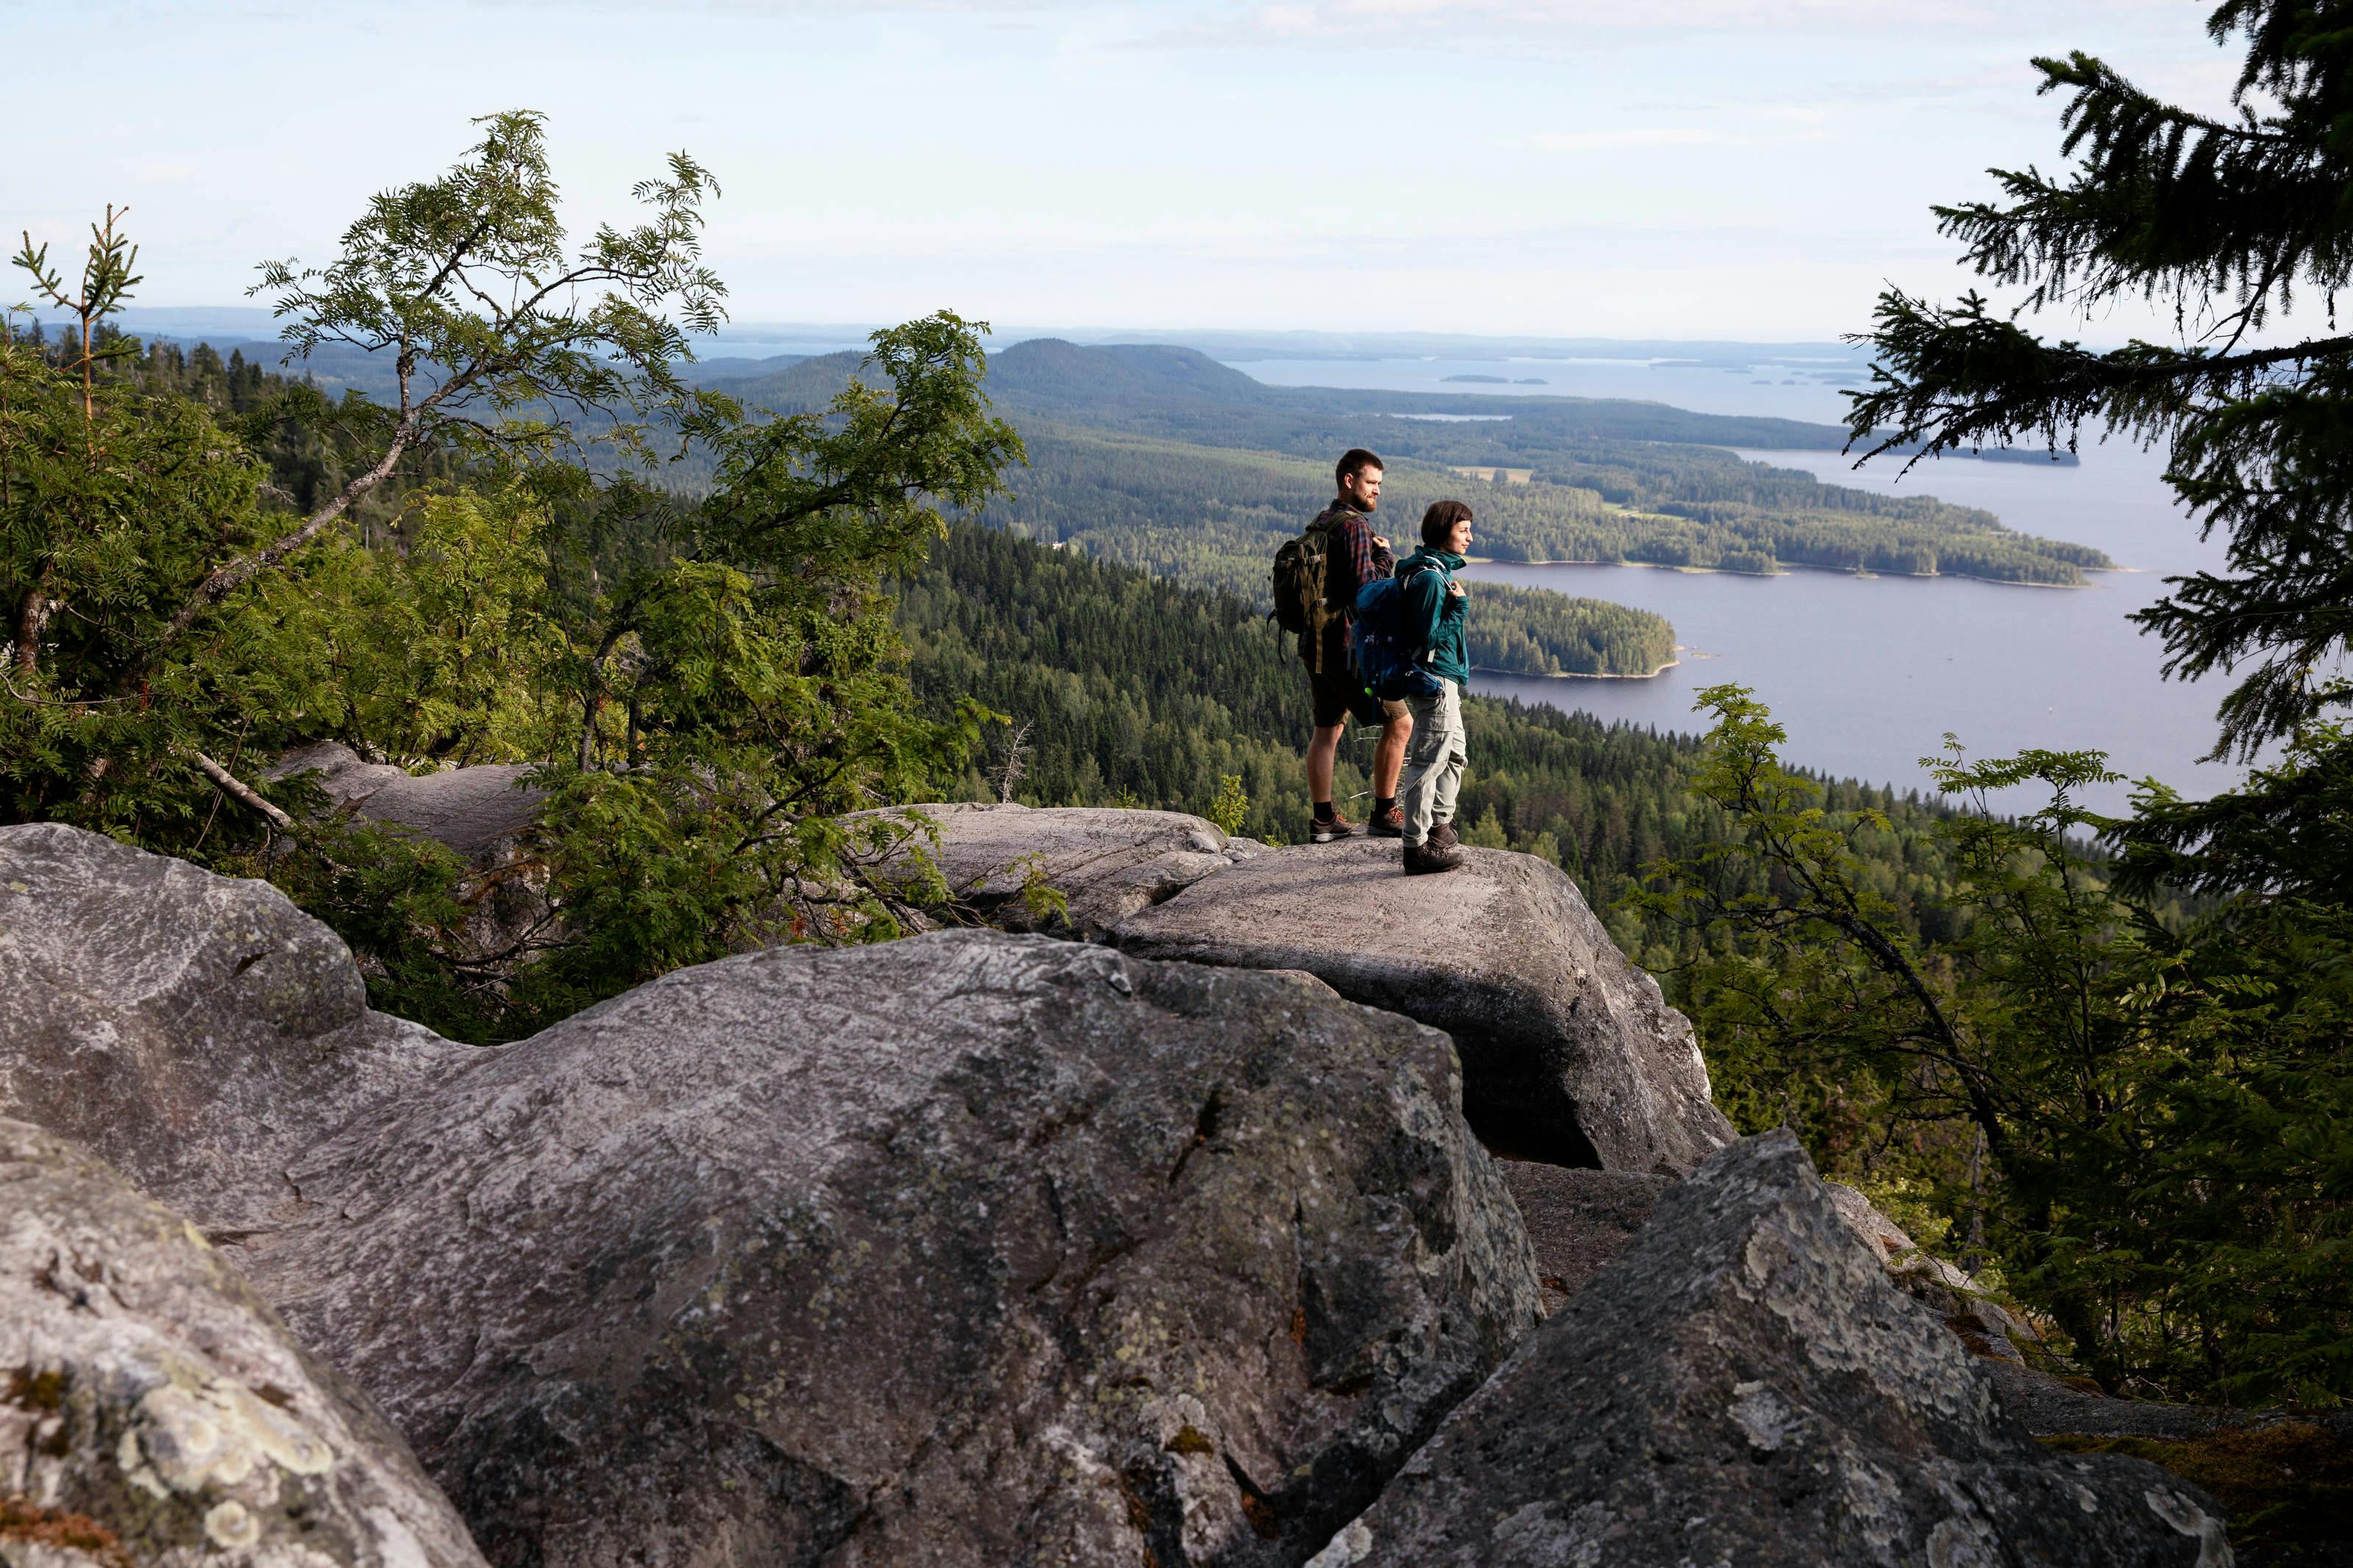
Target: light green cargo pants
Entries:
(1433, 762)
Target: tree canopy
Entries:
(2125, 1075)
(705, 685)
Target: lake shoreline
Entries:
(1797, 566)
(1575, 674)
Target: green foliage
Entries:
(106, 283)
(1045, 904)
(1231, 805)
(1485, 832)
(470, 284)
(419, 652)
(111, 505)
(707, 689)
(2162, 1108)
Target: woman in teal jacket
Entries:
(1434, 758)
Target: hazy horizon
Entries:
(1709, 170)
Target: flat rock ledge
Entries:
(1745, 1384)
(1571, 1055)
(1106, 863)
(198, 1032)
(153, 1411)
(477, 811)
(963, 1248)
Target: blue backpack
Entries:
(1389, 657)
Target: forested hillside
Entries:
(1535, 631)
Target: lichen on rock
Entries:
(153, 1411)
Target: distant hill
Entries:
(1051, 370)
(705, 372)
(1178, 393)
(797, 386)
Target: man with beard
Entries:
(1352, 555)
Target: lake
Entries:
(1786, 390)
(1867, 675)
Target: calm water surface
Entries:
(1786, 392)
(1868, 674)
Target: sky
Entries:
(1736, 169)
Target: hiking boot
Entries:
(1390, 823)
(1422, 859)
(1320, 832)
(1442, 835)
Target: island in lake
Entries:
(1482, 380)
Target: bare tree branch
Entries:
(228, 781)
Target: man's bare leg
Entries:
(1388, 757)
(1321, 753)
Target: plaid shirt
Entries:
(1366, 559)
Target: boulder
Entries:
(1579, 1220)
(1106, 863)
(1984, 1325)
(2048, 1405)
(477, 811)
(963, 1248)
(1570, 1056)
(152, 1410)
(1743, 1384)
(197, 1031)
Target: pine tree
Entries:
(2229, 220)
(2171, 1159)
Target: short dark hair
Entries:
(1356, 461)
(1440, 520)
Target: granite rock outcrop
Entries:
(968, 1247)
(1571, 1055)
(1744, 1383)
(153, 1410)
(198, 1032)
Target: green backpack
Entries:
(1301, 606)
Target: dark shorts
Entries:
(1339, 697)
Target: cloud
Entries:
(1648, 136)
(1756, 124)
(1327, 19)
